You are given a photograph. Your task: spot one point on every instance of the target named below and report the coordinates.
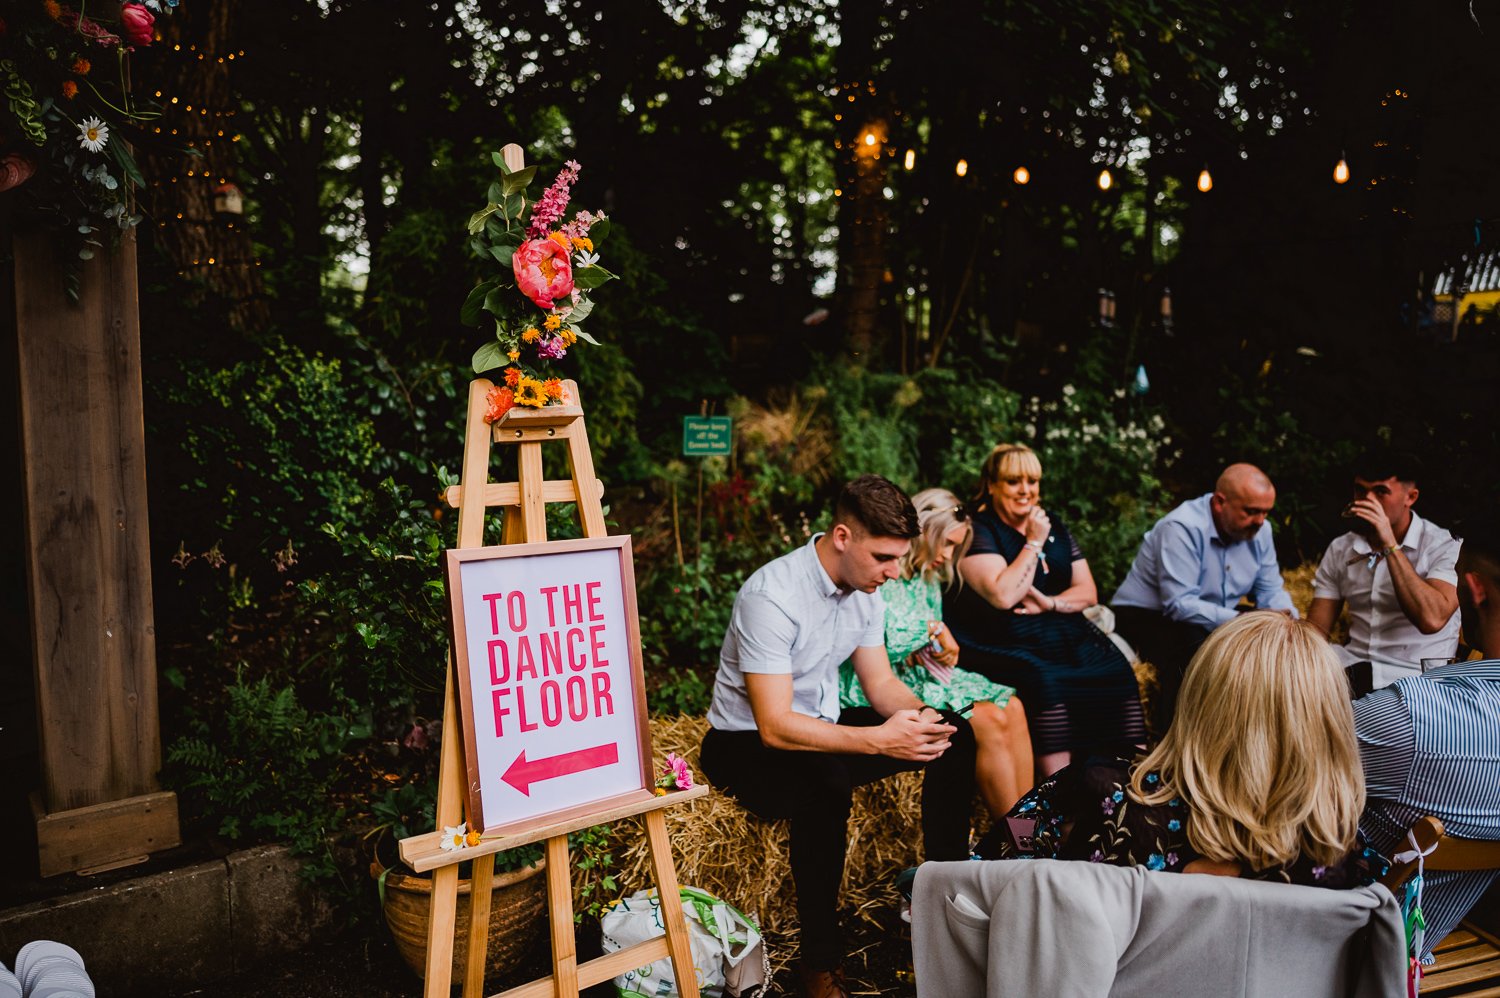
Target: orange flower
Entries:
(53, 8)
(568, 336)
(473, 839)
(561, 240)
(81, 66)
(500, 401)
(512, 376)
(69, 89)
(553, 321)
(553, 388)
(532, 334)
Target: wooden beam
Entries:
(102, 835)
(88, 558)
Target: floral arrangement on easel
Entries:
(65, 108)
(539, 300)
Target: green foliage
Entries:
(593, 853)
(1100, 452)
(276, 444)
(263, 766)
(382, 603)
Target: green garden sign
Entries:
(705, 436)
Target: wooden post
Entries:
(88, 562)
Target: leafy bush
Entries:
(264, 766)
(1100, 452)
(276, 445)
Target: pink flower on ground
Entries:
(137, 24)
(543, 271)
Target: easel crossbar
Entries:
(509, 493)
(425, 852)
(597, 970)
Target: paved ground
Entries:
(368, 966)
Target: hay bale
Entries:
(721, 848)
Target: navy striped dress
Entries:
(1079, 692)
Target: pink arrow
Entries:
(522, 774)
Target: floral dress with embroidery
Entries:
(1109, 827)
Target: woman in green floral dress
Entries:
(924, 655)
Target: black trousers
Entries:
(814, 790)
(1167, 644)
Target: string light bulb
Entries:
(1205, 180)
(961, 167)
(1341, 170)
(1022, 176)
(869, 138)
(1106, 181)
(910, 161)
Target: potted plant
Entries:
(518, 899)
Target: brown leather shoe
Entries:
(822, 983)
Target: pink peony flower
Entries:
(543, 271)
(137, 24)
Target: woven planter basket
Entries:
(517, 904)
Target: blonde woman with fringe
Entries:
(1259, 775)
(924, 655)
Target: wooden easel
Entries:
(524, 503)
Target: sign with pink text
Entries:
(547, 644)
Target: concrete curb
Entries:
(182, 928)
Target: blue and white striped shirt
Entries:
(1431, 746)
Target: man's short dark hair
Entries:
(876, 506)
(1381, 463)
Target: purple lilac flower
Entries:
(1171, 859)
(551, 348)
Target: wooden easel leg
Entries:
(590, 512)
(479, 926)
(444, 909)
(560, 914)
(441, 917)
(678, 944)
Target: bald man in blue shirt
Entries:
(1191, 572)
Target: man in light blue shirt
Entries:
(1192, 570)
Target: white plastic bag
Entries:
(721, 936)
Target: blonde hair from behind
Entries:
(1262, 749)
(938, 512)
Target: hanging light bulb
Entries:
(1022, 176)
(961, 168)
(911, 159)
(1205, 181)
(1105, 180)
(1341, 170)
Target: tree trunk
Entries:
(862, 214)
(194, 58)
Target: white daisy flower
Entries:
(454, 836)
(93, 134)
